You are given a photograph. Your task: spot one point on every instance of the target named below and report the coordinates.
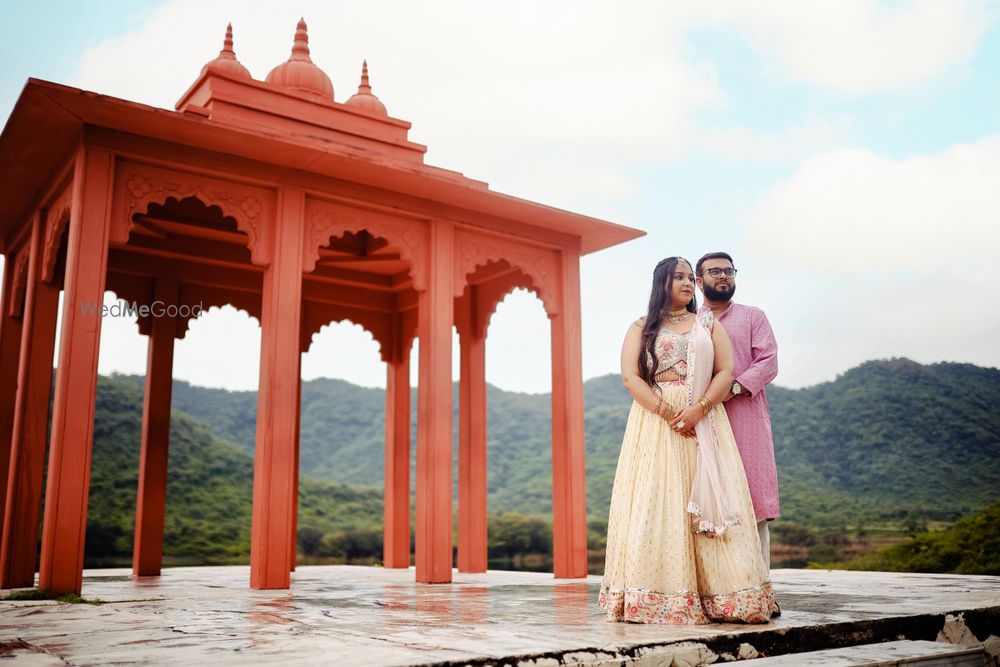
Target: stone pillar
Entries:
(569, 490)
(23, 499)
(10, 351)
(434, 411)
(295, 481)
(396, 513)
(271, 543)
(68, 486)
(472, 534)
(151, 500)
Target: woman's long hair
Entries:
(659, 300)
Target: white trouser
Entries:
(765, 542)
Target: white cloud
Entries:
(739, 144)
(853, 210)
(932, 317)
(856, 46)
(566, 103)
(871, 257)
(489, 88)
(502, 92)
(554, 102)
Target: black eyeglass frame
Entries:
(729, 273)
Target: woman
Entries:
(682, 544)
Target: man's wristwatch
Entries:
(737, 389)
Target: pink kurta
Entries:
(755, 357)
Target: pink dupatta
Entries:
(712, 505)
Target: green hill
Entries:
(971, 546)
(209, 489)
(886, 447)
(886, 441)
(896, 437)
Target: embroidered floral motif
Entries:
(702, 527)
(751, 605)
(639, 606)
(671, 351)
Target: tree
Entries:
(309, 540)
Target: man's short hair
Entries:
(712, 255)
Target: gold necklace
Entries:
(678, 316)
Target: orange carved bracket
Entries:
(137, 186)
(541, 265)
(56, 221)
(19, 282)
(326, 219)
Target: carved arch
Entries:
(210, 296)
(140, 290)
(494, 298)
(327, 219)
(56, 221)
(377, 325)
(19, 282)
(539, 264)
(137, 186)
(131, 289)
(184, 323)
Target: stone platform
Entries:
(346, 615)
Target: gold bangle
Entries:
(706, 404)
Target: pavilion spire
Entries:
(227, 44)
(364, 99)
(299, 72)
(226, 61)
(300, 48)
(365, 87)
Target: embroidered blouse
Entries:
(671, 350)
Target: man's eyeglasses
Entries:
(718, 273)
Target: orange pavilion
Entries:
(300, 210)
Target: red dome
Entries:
(299, 72)
(227, 62)
(364, 100)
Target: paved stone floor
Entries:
(347, 615)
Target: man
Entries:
(755, 357)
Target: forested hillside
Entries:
(863, 460)
(887, 440)
(209, 489)
(971, 546)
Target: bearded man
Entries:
(755, 356)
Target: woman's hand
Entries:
(684, 420)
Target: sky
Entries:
(846, 153)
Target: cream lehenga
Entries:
(682, 542)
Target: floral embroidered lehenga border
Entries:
(750, 605)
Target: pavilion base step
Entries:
(905, 652)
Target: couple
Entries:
(687, 536)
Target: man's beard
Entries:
(718, 295)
